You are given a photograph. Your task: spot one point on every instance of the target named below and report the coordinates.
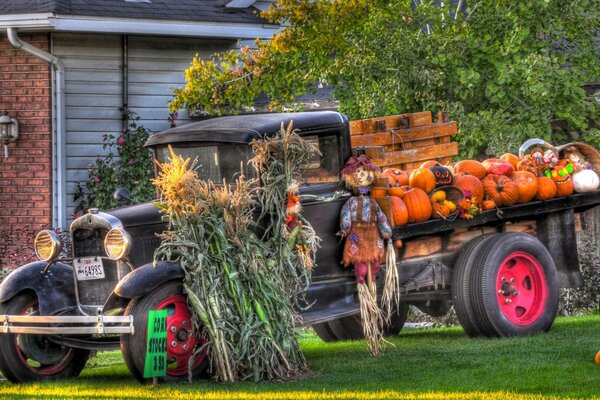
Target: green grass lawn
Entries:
(422, 364)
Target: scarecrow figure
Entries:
(365, 227)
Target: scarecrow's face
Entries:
(363, 177)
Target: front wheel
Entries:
(182, 339)
(26, 357)
(516, 290)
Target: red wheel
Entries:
(515, 286)
(521, 288)
(26, 357)
(182, 340)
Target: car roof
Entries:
(245, 128)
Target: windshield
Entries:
(224, 161)
(216, 162)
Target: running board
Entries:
(79, 325)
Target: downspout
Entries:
(58, 144)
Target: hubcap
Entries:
(181, 338)
(521, 288)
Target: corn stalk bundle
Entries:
(234, 280)
(277, 161)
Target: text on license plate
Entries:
(89, 268)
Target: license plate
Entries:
(89, 268)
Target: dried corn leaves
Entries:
(238, 284)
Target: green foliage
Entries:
(505, 70)
(128, 164)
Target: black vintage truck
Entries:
(502, 271)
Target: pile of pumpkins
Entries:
(493, 183)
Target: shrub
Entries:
(127, 164)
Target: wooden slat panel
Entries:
(398, 136)
(420, 119)
(419, 154)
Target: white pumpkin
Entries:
(585, 181)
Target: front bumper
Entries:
(66, 325)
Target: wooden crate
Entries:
(405, 141)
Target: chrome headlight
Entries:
(47, 245)
(117, 244)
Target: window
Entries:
(216, 162)
(324, 167)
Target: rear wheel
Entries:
(182, 339)
(350, 327)
(517, 292)
(26, 357)
(463, 284)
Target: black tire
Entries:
(179, 331)
(324, 332)
(463, 284)
(350, 327)
(517, 292)
(26, 358)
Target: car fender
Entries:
(148, 277)
(54, 287)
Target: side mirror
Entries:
(122, 195)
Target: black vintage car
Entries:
(55, 311)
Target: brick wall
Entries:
(25, 176)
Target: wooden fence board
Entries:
(400, 136)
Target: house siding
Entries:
(94, 89)
(26, 175)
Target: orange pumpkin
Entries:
(564, 182)
(470, 185)
(511, 159)
(429, 164)
(488, 204)
(397, 191)
(395, 176)
(528, 185)
(399, 211)
(422, 178)
(418, 205)
(546, 188)
(501, 189)
(471, 167)
(440, 209)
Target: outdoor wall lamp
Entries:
(9, 130)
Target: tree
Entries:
(505, 70)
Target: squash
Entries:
(546, 188)
(488, 204)
(496, 166)
(528, 185)
(395, 176)
(471, 167)
(470, 185)
(422, 178)
(418, 205)
(511, 159)
(501, 189)
(399, 211)
(397, 191)
(585, 181)
(442, 175)
(440, 210)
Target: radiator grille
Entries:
(89, 243)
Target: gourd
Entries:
(585, 181)
(488, 204)
(471, 167)
(501, 189)
(528, 185)
(546, 188)
(397, 191)
(417, 204)
(422, 178)
(470, 185)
